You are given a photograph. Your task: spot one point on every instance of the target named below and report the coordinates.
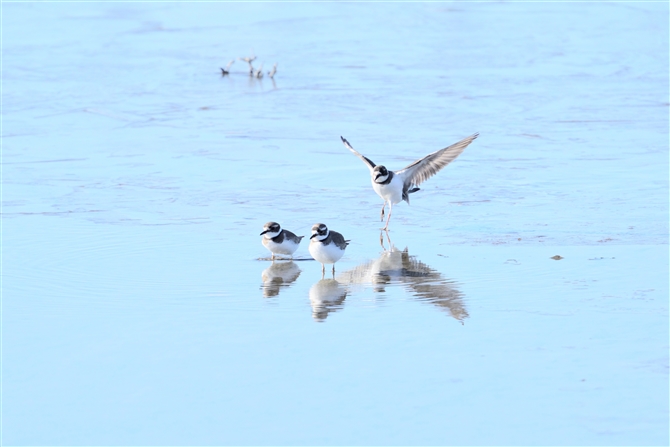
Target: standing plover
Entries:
(326, 246)
(395, 186)
(278, 241)
(225, 71)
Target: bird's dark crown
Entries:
(320, 229)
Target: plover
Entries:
(225, 71)
(395, 186)
(278, 241)
(326, 246)
(272, 72)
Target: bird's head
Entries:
(380, 174)
(320, 232)
(271, 229)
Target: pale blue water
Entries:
(136, 179)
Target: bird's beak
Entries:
(377, 176)
(263, 232)
(312, 236)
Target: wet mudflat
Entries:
(521, 299)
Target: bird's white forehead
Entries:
(318, 227)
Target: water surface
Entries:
(521, 299)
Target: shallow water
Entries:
(136, 309)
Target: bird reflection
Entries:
(326, 296)
(398, 267)
(278, 276)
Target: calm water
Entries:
(137, 308)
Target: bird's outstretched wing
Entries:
(369, 163)
(423, 169)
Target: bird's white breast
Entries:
(325, 254)
(287, 247)
(391, 192)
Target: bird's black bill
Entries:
(312, 236)
(263, 232)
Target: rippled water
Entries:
(521, 299)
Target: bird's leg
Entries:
(382, 213)
(273, 257)
(323, 269)
(386, 228)
(381, 240)
(333, 270)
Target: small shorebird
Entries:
(225, 71)
(272, 72)
(326, 246)
(396, 186)
(278, 241)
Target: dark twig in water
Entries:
(225, 71)
(259, 72)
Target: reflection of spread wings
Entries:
(425, 283)
(423, 169)
(430, 286)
